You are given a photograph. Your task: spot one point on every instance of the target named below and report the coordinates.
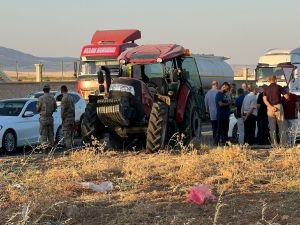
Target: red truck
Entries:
(105, 47)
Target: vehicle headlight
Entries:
(122, 88)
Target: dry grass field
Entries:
(253, 187)
(47, 76)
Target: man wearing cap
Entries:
(46, 106)
(67, 116)
(211, 108)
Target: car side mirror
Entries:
(28, 114)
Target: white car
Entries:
(79, 102)
(19, 124)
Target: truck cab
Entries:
(105, 47)
(282, 63)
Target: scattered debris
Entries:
(103, 187)
(20, 187)
(200, 194)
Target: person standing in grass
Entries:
(46, 106)
(249, 111)
(290, 108)
(211, 108)
(273, 100)
(263, 136)
(67, 116)
(238, 115)
(222, 102)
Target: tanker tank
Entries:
(212, 68)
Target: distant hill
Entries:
(10, 58)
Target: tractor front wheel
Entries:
(157, 127)
(91, 125)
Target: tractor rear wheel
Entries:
(91, 125)
(192, 121)
(157, 127)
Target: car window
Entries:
(32, 107)
(11, 108)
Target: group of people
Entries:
(46, 106)
(272, 109)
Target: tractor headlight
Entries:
(122, 61)
(122, 88)
(159, 60)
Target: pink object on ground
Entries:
(200, 194)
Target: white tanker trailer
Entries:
(212, 68)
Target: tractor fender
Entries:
(183, 95)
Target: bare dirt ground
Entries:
(253, 187)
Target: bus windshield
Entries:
(263, 73)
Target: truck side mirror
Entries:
(100, 76)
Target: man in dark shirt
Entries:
(223, 112)
(290, 108)
(263, 137)
(238, 115)
(272, 99)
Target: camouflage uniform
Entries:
(68, 119)
(46, 106)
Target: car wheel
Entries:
(59, 134)
(9, 142)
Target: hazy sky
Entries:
(240, 29)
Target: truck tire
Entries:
(192, 121)
(91, 125)
(157, 127)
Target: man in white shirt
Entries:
(211, 108)
(249, 112)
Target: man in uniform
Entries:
(67, 116)
(46, 106)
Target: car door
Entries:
(29, 126)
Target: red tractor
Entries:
(157, 94)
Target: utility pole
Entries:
(17, 70)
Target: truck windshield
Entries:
(263, 73)
(89, 69)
